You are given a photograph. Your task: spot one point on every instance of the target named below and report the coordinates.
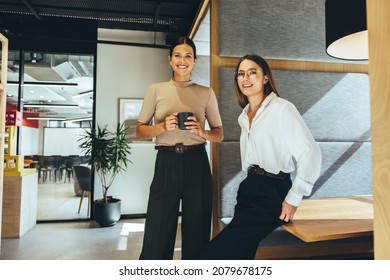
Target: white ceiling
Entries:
(76, 71)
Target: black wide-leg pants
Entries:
(256, 214)
(178, 177)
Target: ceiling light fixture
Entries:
(45, 84)
(83, 94)
(47, 118)
(78, 120)
(346, 29)
(48, 106)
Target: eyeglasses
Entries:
(240, 75)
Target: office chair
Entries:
(83, 177)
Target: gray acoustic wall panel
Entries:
(282, 29)
(228, 106)
(345, 171)
(335, 106)
(230, 176)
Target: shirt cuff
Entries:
(297, 191)
(293, 198)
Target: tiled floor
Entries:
(67, 240)
(79, 241)
(58, 201)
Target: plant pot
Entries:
(107, 214)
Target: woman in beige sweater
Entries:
(182, 170)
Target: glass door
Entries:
(54, 94)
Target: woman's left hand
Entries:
(288, 211)
(194, 126)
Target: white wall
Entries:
(126, 72)
(30, 140)
(62, 141)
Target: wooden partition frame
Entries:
(378, 23)
(3, 100)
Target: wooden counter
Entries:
(333, 218)
(20, 198)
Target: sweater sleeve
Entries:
(148, 106)
(212, 111)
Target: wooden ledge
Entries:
(333, 218)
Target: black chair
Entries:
(58, 167)
(45, 167)
(70, 162)
(83, 177)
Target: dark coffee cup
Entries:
(182, 118)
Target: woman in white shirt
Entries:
(273, 134)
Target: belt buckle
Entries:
(179, 148)
(255, 169)
(260, 171)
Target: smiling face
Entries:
(182, 62)
(250, 78)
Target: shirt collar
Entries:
(266, 101)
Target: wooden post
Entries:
(3, 100)
(378, 23)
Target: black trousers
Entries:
(256, 214)
(178, 177)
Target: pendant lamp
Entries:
(346, 29)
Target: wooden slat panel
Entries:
(214, 78)
(297, 65)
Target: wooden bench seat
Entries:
(322, 228)
(333, 218)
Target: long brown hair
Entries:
(268, 87)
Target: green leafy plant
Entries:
(107, 152)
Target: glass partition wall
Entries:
(53, 93)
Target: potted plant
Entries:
(108, 154)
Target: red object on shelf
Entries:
(13, 117)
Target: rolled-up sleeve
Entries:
(304, 149)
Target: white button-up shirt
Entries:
(278, 136)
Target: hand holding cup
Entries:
(182, 117)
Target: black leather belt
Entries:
(179, 148)
(255, 169)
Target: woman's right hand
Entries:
(170, 122)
